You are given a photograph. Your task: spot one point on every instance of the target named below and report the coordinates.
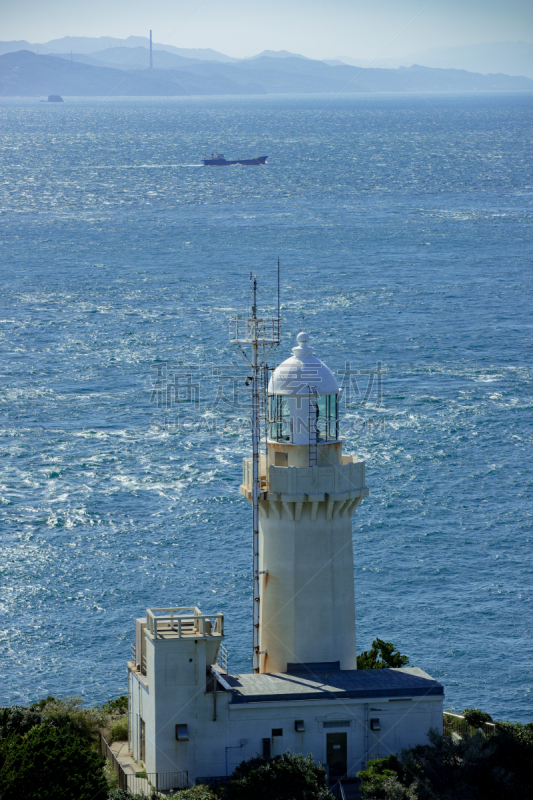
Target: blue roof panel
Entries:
(337, 684)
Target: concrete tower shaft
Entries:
(309, 492)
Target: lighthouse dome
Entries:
(303, 373)
(302, 402)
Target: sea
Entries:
(403, 227)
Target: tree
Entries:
(382, 780)
(475, 717)
(51, 763)
(381, 656)
(119, 705)
(18, 719)
(497, 767)
(286, 777)
(70, 711)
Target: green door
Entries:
(336, 749)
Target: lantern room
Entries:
(303, 411)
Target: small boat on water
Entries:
(218, 160)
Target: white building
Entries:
(187, 714)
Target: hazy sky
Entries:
(315, 28)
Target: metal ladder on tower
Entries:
(264, 419)
(313, 426)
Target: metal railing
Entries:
(336, 479)
(457, 724)
(165, 621)
(148, 782)
(133, 653)
(107, 753)
(223, 658)
(338, 791)
(142, 782)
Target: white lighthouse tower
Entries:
(310, 491)
(191, 719)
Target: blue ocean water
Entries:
(403, 224)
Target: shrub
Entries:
(86, 721)
(110, 776)
(381, 656)
(381, 779)
(18, 719)
(119, 705)
(476, 768)
(200, 792)
(475, 717)
(287, 777)
(512, 752)
(119, 730)
(51, 763)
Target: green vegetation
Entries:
(475, 717)
(117, 706)
(49, 751)
(119, 730)
(49, 762)
(194, 793)
(110, 776)
(197, 793)
(286, 777)
(201, 792)
(58, 713)
(475, 768)
(382, 780)
(381, 656)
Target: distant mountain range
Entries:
(85, 45)
(511, 58)
(124, 70)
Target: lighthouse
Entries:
(191, 719)
(310, 492)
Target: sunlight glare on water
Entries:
(403, 224)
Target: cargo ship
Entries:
(218, 160)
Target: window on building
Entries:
(333, 418)
(327, 424)
(277, 732)
(279, 418)
(324, 406)
(266, 748)
(299, 726)
(182, 733)
(142, 736)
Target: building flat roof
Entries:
(334, 684)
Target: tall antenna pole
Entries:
(279, 313)
(151, 62)
(255, 338)
(255, 477)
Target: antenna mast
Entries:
(255, 338)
